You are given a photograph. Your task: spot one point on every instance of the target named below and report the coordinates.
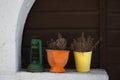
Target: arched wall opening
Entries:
(47, 18)
(24, 11)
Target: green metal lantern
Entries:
(35, 56)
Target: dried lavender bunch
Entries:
(83, 44)
(59, 43)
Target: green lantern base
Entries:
(35, 67)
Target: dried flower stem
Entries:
(59, 43)
(83, 44)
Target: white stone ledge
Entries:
(94, 74)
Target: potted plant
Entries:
(56, 54)
(82, 48)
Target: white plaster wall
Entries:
(13, 14)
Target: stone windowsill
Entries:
(94, 74)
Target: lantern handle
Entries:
(40, 51)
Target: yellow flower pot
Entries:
(83, 61)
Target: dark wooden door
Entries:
(98, 18)
(113, 39)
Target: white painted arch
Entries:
(13, 14)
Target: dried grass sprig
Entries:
(83, 44)
(59, 43)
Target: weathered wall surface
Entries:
(13, 14)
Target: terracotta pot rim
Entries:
(57, 50)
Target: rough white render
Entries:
(13, 14)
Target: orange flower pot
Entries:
(57, 60)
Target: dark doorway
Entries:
(98, 18)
